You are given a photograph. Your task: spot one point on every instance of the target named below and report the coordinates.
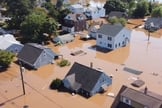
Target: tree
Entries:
(115, 5)
(36, 24)
(115, 20)
(56, 83)
(157, 12)
(142, 9)
(17, 10)
(57, 13)
(123, 21)
(59, 4)
(6, 58)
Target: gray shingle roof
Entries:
(85, 76)
(117, 14)
(140, 97)
(154, 21)
(111, 30)
(30, 53)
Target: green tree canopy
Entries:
(157, 12)
(6, 58)
(17, 10)
(57, 13)
(115, 20)
(115, 5)
(142, 9)
(36, 24)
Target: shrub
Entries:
(63, 63)
(6, 58)
(56, 83)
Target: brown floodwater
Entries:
(139, 55)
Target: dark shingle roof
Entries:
(30, 53)
(117, 14)
(85, 76)
(111, 30)
(154, 21)
(140, 97)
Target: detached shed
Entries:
(63, 39)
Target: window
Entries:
(123, 35)
(123, 42)
(99, 36)
(109, 45)
(100, 42)
(116, 45)
(126, 101)
(109, 38)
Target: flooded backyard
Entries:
(139, 55)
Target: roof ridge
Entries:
(144, 94)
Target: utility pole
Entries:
(148, 35)
(22, 79)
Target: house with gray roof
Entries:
(9, 43)
(76, 8)
(153, 24)
(35, 55)
(112, 36)
(63, 39)
(74, 23)
(86, 80)
(94, 12)
(117, 14)
(130, 98)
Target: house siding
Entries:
(103, 42)
(43, 59)
(76, 10)
(120, 40)
(15, 48)
(95, 13)
(104, 79)
(134, 104)
(76, 26)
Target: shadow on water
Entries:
(9, 100)
(100, 49)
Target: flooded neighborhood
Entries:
(97, 74)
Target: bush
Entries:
(6, 58)
(115, 20)
(56, 83)
(63, 63)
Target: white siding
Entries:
(103, 42)
(120, 40)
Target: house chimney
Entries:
(91, 64)
(145, 90)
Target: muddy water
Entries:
(140, 55)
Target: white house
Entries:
(76, 8)
(9, 43)
(112, 36)
(94, 12)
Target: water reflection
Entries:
(118, 56)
